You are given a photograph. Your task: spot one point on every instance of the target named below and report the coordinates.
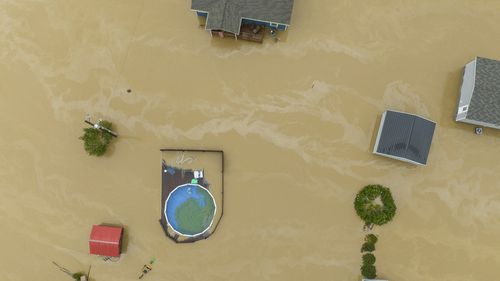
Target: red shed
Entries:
(105, 240)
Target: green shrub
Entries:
(369, 259)
(77, 276)
(368, 247)
(369, 271)
(369, 210)
(371, 238)
(96, 141)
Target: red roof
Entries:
(105, 240)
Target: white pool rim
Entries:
(213, 217)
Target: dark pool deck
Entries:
(175, 176)
(246, 33)
(170, 180)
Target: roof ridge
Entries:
(223, 18)
(411, 132)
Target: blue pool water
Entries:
(190, 209)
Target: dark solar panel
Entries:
(406, 136)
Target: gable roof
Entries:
(105, 240)
(227, 14)
(485, 100)
(405, 137)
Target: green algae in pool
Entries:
(190, 209)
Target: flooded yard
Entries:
(297, 121)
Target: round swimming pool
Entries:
(190, 209)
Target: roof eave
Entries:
(479, 123)
(400, 158)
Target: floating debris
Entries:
(98, 125)
(77, 276)
(147, 268)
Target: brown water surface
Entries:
(296, 120)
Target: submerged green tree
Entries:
(374, 205)
(369, 271)
(369, 259)
(96, 141)
(368, 247)
(77, 276)
(371, 238)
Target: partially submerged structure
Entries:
(242, 19)
(404, 137)
(479, 102)
(105, 240)
(192, 193)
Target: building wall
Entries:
(479, 123)
(277, 26)
(202, 14)
(264, 23)
(202, 18)
(466, 90)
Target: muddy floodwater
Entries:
(296, 120)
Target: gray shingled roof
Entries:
(227, 14)
(405, 137)
(485, 102)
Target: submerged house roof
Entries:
(227, 14)
(405, 137)
(479, 102)
(105, 240)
